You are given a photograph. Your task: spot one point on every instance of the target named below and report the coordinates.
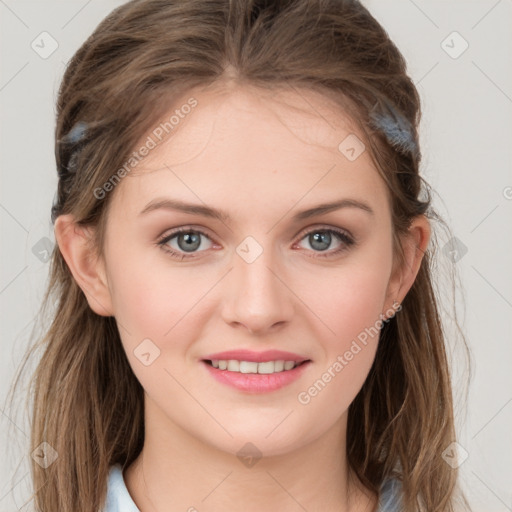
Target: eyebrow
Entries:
(206, 211)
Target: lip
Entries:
(256, 382)
(256, 357)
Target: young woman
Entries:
(245, 314)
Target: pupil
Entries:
(193, 241)
(321, 240)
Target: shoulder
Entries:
(118, 497)
(390, 496)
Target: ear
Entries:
(414, 245)
(76, 246)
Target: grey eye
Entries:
(320, 240)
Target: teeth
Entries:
(266, 367)
(288, 365)
(248, 367)
(234, 366)
(278, 366)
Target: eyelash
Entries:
(346, 239)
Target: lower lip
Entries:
(256, 382)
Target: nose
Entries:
(257, 296)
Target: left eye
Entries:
(320, 240)
(189, 241)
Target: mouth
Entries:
(254, 367)
(256, 377)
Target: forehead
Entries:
(250, 142)
(250, 113)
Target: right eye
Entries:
(185, 241)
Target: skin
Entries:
(260, 156)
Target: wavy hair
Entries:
(86, 401)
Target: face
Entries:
(258, 276)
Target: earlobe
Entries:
(414, 247)
(76, 246)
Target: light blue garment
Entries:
(390, 496)
(119, 499)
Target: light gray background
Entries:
(466, 137)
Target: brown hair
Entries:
(87, 403)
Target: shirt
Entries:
(119, 499)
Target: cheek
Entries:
(353, 314)
(138, 297)
(153, 305)
(348, 299)
(148, 296)
(357, 303)
(349, 329)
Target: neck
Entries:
(176, 471)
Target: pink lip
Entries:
(256, 357)
(256, 382)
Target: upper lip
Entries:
(257, 357)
